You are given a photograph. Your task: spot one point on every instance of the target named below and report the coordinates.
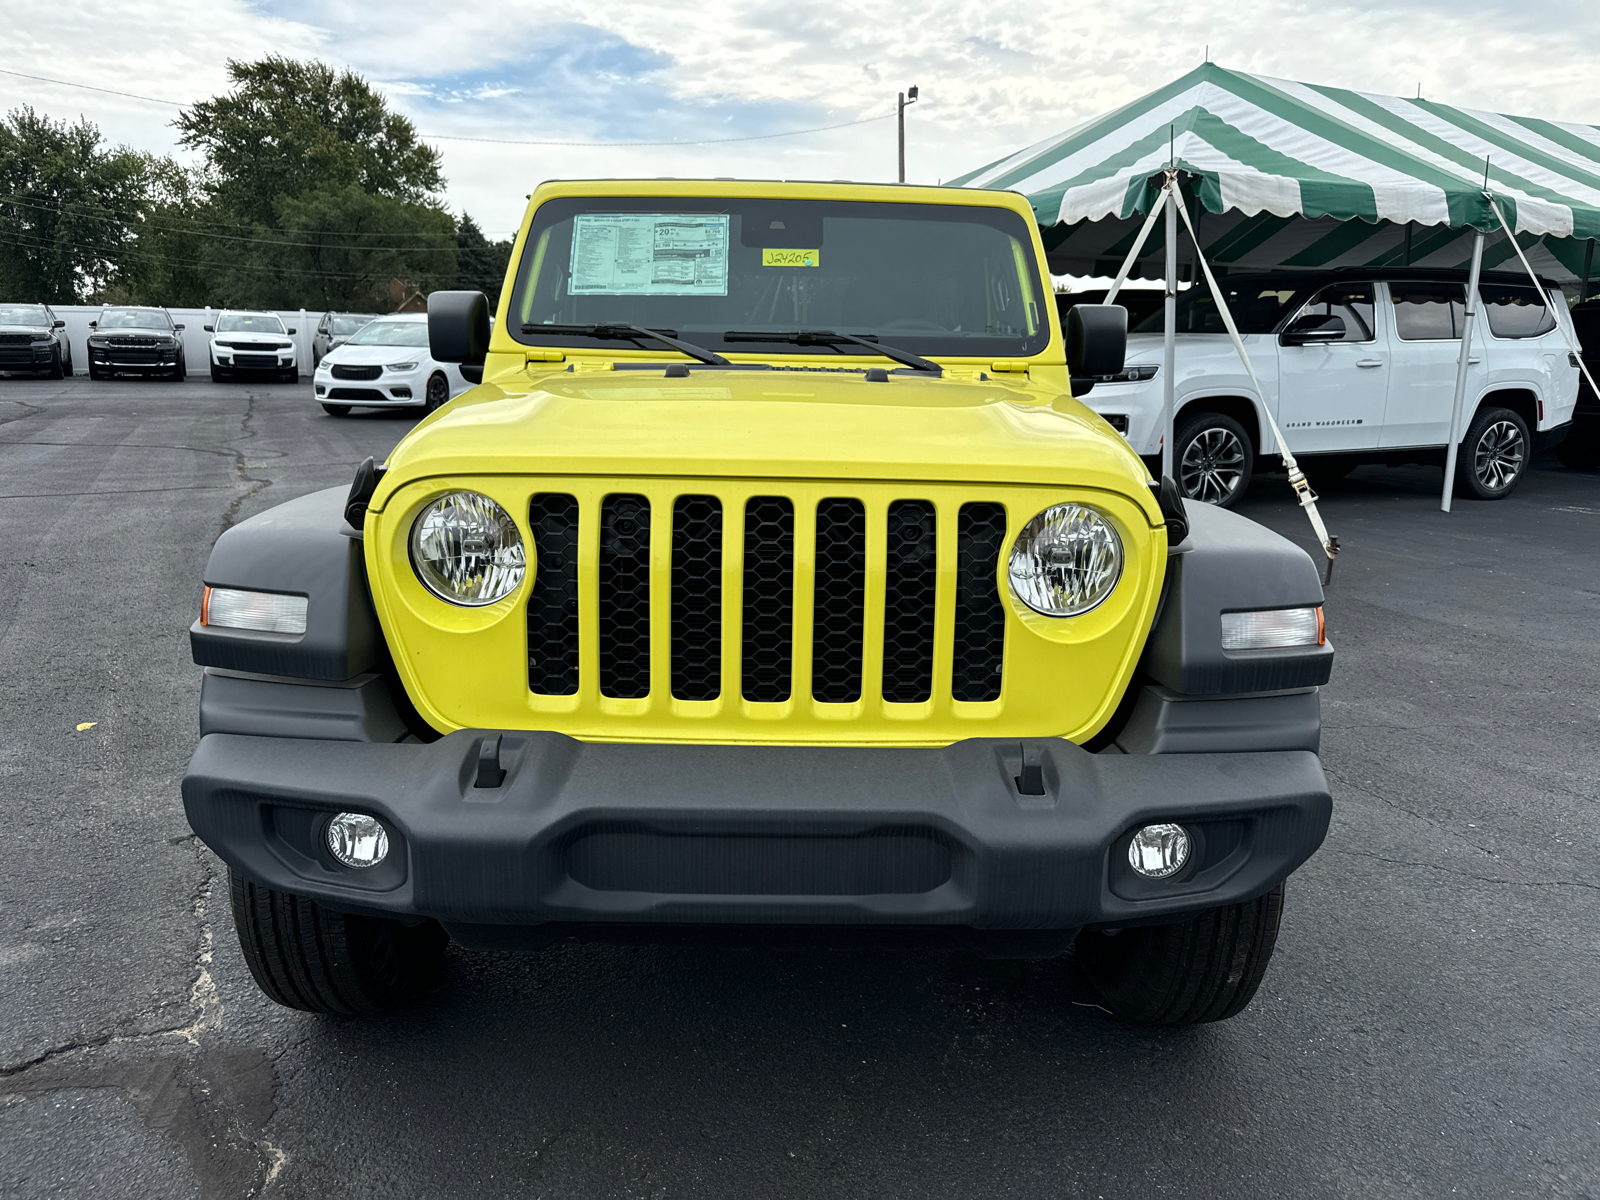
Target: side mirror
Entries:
(59, 325)
(458, 328)
(291, 329)
(209, 328)
(179, 328)
(1311, 328)
(1097, 339)
(94, 324)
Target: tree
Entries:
(70, 208)
(332, 194)
(480, 264)
(289, 128)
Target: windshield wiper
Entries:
(827, 337)
(634, 333)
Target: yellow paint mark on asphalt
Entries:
(82, 725)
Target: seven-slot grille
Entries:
(690, 578)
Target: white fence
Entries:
(196, 341)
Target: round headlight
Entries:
(466, 549)
(1065, 561)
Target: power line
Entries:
(453, 137)
(110, 249)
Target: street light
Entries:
(906, 100)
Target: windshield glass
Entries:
(344, 326)
(133, 318)
(249, 323)
(1257, 306)
(23, 314)
(939, 279)
(391, 333)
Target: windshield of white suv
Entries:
(133, 318)
(249, 323)
(1257, 306)
(23, 314)
(942, 279)
(390, 333)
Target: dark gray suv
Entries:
(140, 341)
(33, 339)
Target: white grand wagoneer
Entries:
(1358, 367)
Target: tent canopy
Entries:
(1288, 174)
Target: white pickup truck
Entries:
(1357, 367)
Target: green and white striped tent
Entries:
(1298, 175)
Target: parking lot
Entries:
(1430, 1024)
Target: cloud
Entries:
(995, 75)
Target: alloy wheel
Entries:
(1212, 466)
(1497, 458)
(438, 392)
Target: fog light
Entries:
(357, 840)
(1158, 851)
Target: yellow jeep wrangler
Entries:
(770, 588)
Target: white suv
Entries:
(252, 343)
(1358, 367)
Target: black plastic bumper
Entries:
(634, 833)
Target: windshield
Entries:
(1257, 306)
(249, 323)
(345, 326)
(23, 314)
(391, 333)
(133, 318)
(928, 278)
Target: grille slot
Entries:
(355, 371)
(908, 595)
(553, 605)
(697, 598)
(625, 597)
(768, 604)
(839, 601)
(980, 632)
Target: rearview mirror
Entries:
(1313, 328)
(1097, 339)
(458, 330)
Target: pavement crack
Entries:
(242, 469)
(34, 410)
(1401, 862)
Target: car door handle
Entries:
(1471, 360)
(1369, 362)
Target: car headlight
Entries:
(1065, 561)
(410, 366)
(466, 549)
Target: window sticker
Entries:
(650, 254)
(791, 258)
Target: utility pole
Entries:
(906, 100)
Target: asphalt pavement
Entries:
(1430, 1024)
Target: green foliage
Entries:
(291, 127)
(480, 264)
(70, 208)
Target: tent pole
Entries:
(1169, 344)
(1463, 361)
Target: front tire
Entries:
(1215, 459)
(437, 392)
(1494, 455)
(336, 410)
(312, 958)
(56, 370)
(181, 371)
(95, 372)
(1204, 969)
(216, 374)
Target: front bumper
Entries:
(695, 834)
(398, 389)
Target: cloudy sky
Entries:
(995, 75)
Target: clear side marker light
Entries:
(262, 612)
(1273, 629)
(1159, 851)
(357, 840)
